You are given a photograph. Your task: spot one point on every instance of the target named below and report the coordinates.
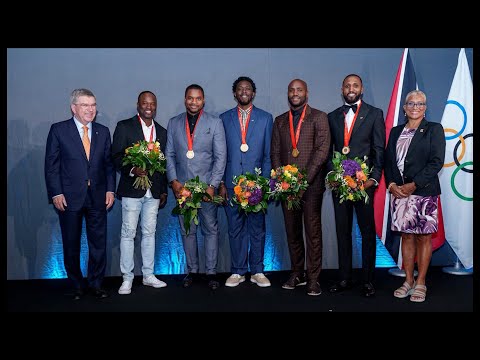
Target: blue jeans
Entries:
(132, 208)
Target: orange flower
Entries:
(361, 176)
(350, 182)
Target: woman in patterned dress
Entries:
(415, 154)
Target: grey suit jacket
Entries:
(209, 147)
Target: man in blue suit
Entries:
(248, 131)
(196, 147)
(80, 180)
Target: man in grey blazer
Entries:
(196, 146)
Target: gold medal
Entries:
(244, 147)
(190, 154)
(345, 150)
(295, 152)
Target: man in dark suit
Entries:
(80, 182)
(301, 136)
(138, 202)
(248, 131)
(358, 130)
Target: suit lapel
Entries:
(340, 127)
(419, 134)
(235, 123)
(94, 140)
(362, 113)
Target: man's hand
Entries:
(163, 201)
(369, 183)
(210, 191)
(222, 191)
(109, 199)
(59, 202)
(176, 187)
(139, 171)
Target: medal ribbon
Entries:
(244, 129)
(297, 133)
(151, 131)
(347, 134)
(187, 131)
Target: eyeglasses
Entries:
(412, 105)
(86, 106)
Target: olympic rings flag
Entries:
(456, 177)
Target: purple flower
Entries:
(350, 167)
(272, 184)
(256, 197)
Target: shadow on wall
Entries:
(28, 211)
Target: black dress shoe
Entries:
(100, 293)
(188, 280)
(213, 282)
(368, 290)
(341, 286)
(77, 294)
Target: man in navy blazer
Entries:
(358, 130)
(80, 180)
(248, 132)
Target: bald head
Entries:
(297, 93)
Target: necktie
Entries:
(348, 107)
(86, 141)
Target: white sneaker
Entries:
(260, 279)
(234, 280)
(126, 288)
(151, 280)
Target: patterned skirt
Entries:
(414, 214)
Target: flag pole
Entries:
(457, 269)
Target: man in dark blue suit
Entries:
(80, 180)
(248, 132)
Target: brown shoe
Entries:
(295, 280)
(313, 288)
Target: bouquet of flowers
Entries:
(147, 156)
(285, 184)
(348, 177)
(251, 192)
(192, 194)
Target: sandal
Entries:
(419, 293)
(404, 290)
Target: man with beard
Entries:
(248, 131)
(358, 130)
(138, 202)
(196, 147)
(301, 136)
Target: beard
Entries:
(355, 99)
(300, 104)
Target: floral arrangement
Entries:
(251, 192)
(348, 177)
(147, 156)
(285, 184)
(192, 194)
